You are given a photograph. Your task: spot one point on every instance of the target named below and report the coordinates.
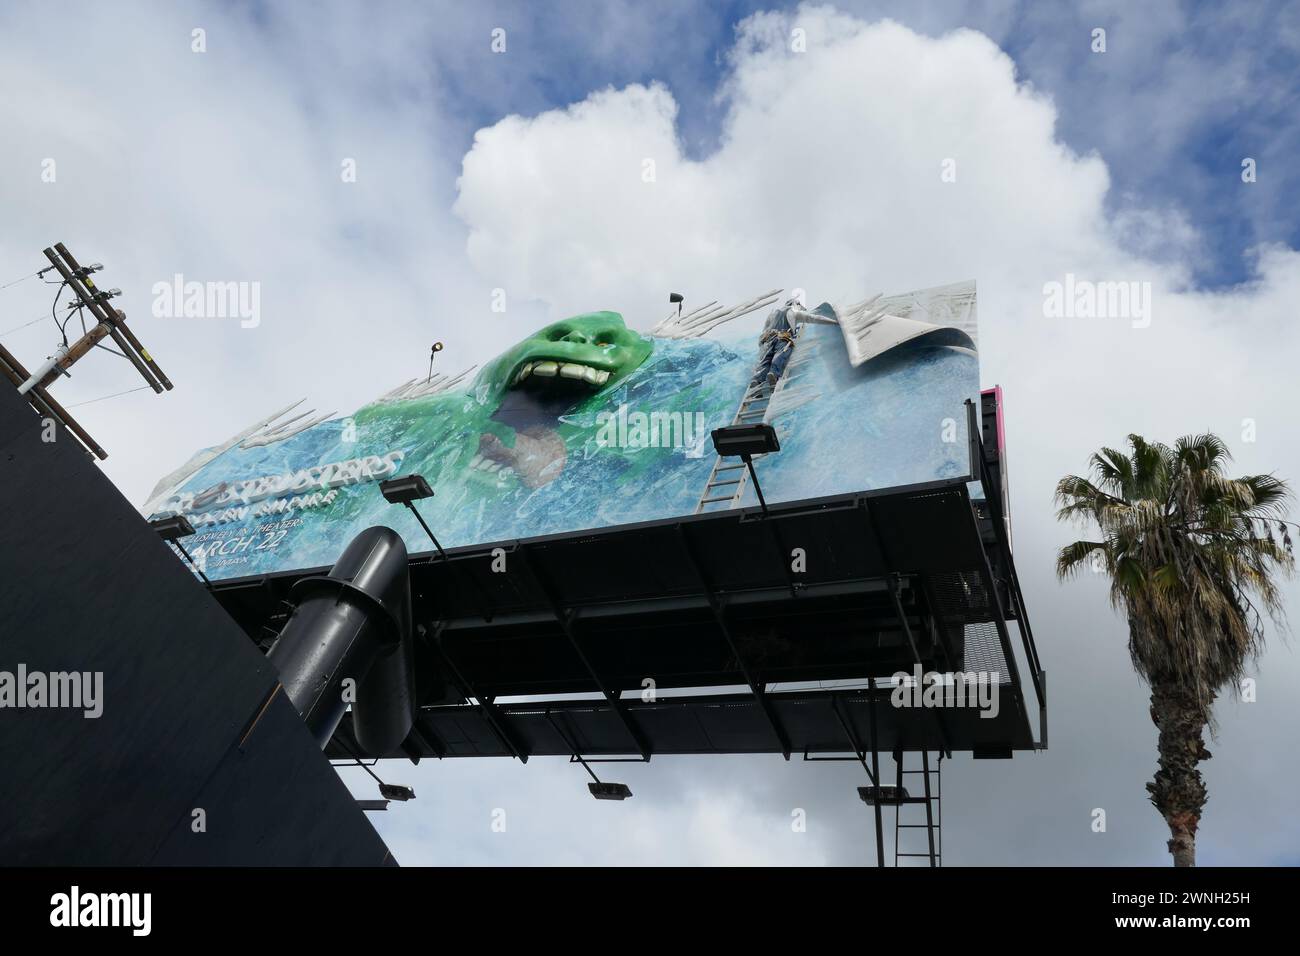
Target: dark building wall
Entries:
(191, 713)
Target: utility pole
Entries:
(111, 323)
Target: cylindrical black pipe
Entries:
(354, 623)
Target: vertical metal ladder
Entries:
(727, 479)
(930, 804)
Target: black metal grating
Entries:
(984, 651)
(960, 597)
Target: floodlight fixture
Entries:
(389, 791)
(744, 442)
(395, 791)
(676, 298)
(609, 791)
(172, 528)
(404, 490)
(886, 796)
(407, 490)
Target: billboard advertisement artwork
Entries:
(588, 423)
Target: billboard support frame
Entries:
(718, 609)
(490, 711)
(564, 617)
(993, 496)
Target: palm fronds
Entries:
(1190, 553)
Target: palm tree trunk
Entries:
(1178, 790)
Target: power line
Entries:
(106, 397)
(23, 279)
(40, 318)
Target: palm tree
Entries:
(1192, 559)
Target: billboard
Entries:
(588, 423)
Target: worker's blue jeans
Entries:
(774, 361)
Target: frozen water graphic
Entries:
(898, 420)
(880, 425)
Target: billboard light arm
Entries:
(427, 530)
(720, 618)
(753, 476)
(194, 564)
(492, 713)
(484, 606)
(389, 791)
(409, 489)
(171, 530)
(860, 754)
(564, 617)
(600, 789)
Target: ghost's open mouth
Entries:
(552, 371)
(570, 359)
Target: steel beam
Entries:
(564, 616)
(719, 615)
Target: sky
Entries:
(521, 171)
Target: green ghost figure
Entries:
(532, 384)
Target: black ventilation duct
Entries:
(354, 623)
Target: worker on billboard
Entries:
(777, 341)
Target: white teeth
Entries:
(570, 370)
(493, 466)
(474, 462)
